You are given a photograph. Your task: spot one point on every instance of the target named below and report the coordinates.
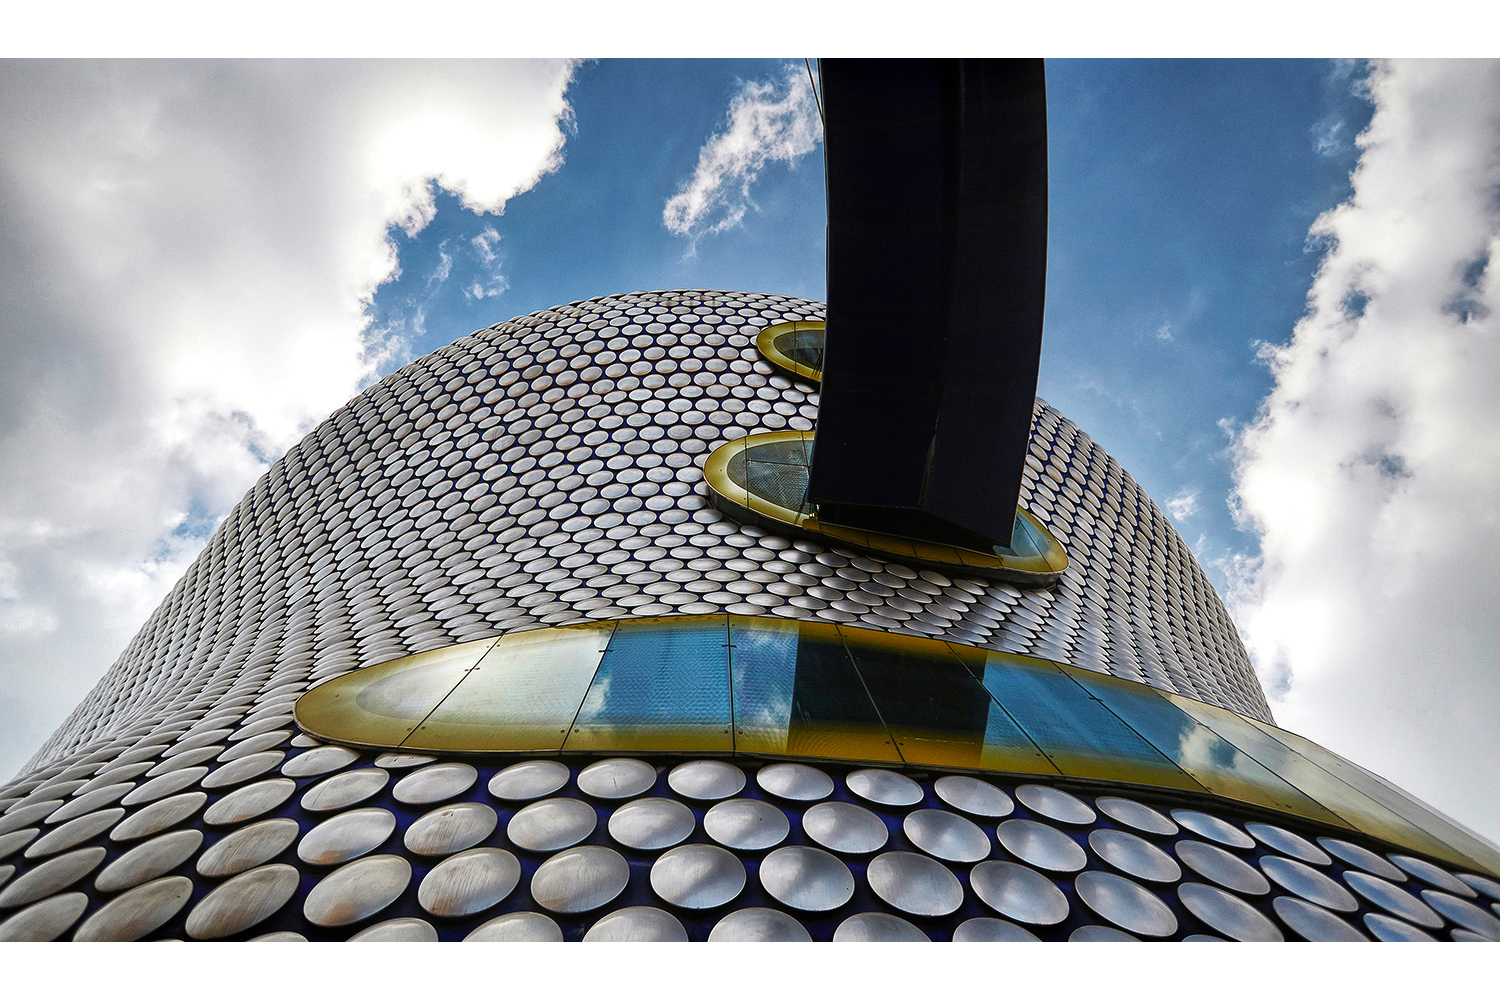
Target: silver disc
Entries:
(1215, 829)
(973, 796)
(915, 884)
(244, 901)
(1353, 854)
(346, 836)
(759, 923)
(469, 883)
(706, 780)
(1309, 883)
(806, 878)
(1393, 899)
(946, 835)
(1390, 929)
(1313, 923)
(150, 860)
(1218, 865)
(434, 783)
(698, 876)
(1134, 856)
(1431, 874)
(878, 927)
(652, 824)
(248, 847)
(1018, 892)
(519, 926)
(51, 876)
(617, 778)
(1054, 803)
(886, 788)
(1288, 843)
(133, 915)
(249, 802)
(1125, 904)
(530, 779)
(977, 929)
(1229, 915)
(319, 760)
(580, 879)
(45, 920)
(1041, 845)
(637, 924)
(358, 890)
(1100, 933)
(398, 929)
(552, 824)
(451, 828)
(1136, 816)
(1463, 913)
(845, 827)
(746, 824)
(796, 782)
(344, 790)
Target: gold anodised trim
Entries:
(765, 342)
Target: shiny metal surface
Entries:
(698, 876)
(150, 860)
(552, 824)
(346, 836)
(1393, 899)
(883, 787)
(1353, 854)
(636, 924)
(1432, 875)
(1125, 904)
(973, 796)
(46, 920)
(133, 915)
(279, 937)
(1313, 923)
(1134, 856)
(52, 875)
(845, 827)
(22, 815)
(469, 883)
(12, 842)
(1484, 886)
(357, 891)
(398, 929)
(1018, 892)
(1054, 803)
(242, 770)
(652, 824)
(878, 927)
(1218, 865)
(759, 923)
(580, 879)
(1309, 883)
(946, 835)
(806, 878)
(319, 760)
(706, 780)
(158, 816)
(1288, 843)
(530, 779)
(402, 761)
(1133, 814)
(248, 847)
(434, 783)
(979, 929)
(1390, 929)
(617, 778)
(88, 802)
(1041, 845)
(1229, 915)
(451, 828)
(344, 790)
(519, 926)
(84, 828)
(1463, 913)
(796, 782)
(242, 902)
(1459, 934)
(1213, 828)
(167, 784)
(915, 884)
(249, 802)
(1100, 933)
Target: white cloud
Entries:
(485, 252)
(1183, 504)
(769, 122)
(1372, 473)
(188, 252)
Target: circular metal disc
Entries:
(434, 783)
(652, 824)
(1479, 883)
(617, 778)
(1390, 929)
(759, 923)
(469, 883)
(249, 802)
(1463, 913)
(844, 827)
(530, 779)
(915, 884)
(886, 788)
(1309, 883)
(346, 836)
(519, 926)
(1432, 875)
(878, 927)
(319, 760)
(1054, 803)
(637, 923)
(76, 831)
(238, 771)
(97, 799)
(706, 780)
(746, 824)
(552, 824)
(1125, 904)
(1313, 923)
(1215, 829)
(344, 790)
(973, 796)
(46, 920)
(12, 842)
(1229, 915)
(1389, 897)
(1017, 892)
(698, 876)
(280, 936)
(796, 782)
(399, 929)
(1041, 845)
(451, 828)
(1132, 814)
(400, 762)
(150, 860)
(581, 879)
(946, 835)
(358, 890)
(156, 817)
(15, 818)
(1218, 865)
(1134, 856)
(1288, 843)
(242, 902)
(140, 911)
(51, 876)
(244, 849)
(806, 878)
(977, 929)
(1353, 854)
(1098, 932)
(167, 784)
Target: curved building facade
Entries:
(488, 656)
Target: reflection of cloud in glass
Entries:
(765, 668)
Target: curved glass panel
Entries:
(796, 349)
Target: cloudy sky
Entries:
(1269, 296)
